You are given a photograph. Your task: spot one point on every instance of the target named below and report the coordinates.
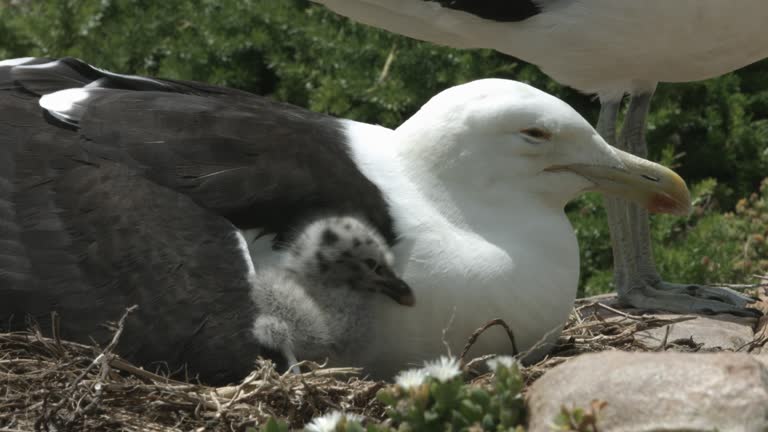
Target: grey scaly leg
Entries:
(606, 127)
(638, 283)
(632, 139)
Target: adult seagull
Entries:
(609, 48)
(119, 190)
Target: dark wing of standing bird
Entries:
(498, 10)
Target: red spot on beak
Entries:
(664, 204)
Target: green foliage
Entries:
(708, 246)
(579, 420)
(721, 128)
(303, 54)
(273, 425)
(436, 399)
(450, 405)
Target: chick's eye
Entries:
(370, 263)
(536, 133)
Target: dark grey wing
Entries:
(118, 190)
(496, 10)
(90, 236)
(35, 246)
(43, 76)
(185, 266)
(260, 163)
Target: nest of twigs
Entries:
(49, 384)
(588, 331)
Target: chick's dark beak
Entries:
(395, 288)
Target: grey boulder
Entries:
(663, 391)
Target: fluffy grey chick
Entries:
(318, 302)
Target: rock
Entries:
(662, 391)
(726, 332)
(709, 332)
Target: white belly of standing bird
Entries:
(596, 46)
(600, 45)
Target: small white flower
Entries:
(354, 417)
(329, 421)
(324, 423)
(444, 369)
(505, 361)
(411, 378)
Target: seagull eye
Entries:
(537, 134)
(374, 265)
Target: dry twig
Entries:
(476, 334)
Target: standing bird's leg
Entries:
(637, 281)
(632, 139)
(620, 236)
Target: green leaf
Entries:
(274, 425)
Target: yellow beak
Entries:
(656, 187)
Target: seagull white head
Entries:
(493, 134)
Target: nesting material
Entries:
(50, 384)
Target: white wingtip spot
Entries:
(66, 105)
(242, 244)
(16, 61)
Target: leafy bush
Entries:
(435, 398)
(706, 247)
